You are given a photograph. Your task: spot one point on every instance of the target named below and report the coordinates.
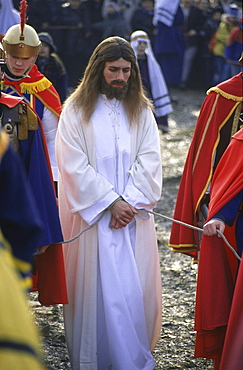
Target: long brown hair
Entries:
(86, 94)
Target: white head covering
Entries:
(8, 15)
(164, 11)
(159, 89)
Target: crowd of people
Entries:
(197, 45)
(119, 59)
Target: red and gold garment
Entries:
(220, 110)
(218, 265)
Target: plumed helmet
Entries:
(21, 44)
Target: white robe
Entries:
(113, 318)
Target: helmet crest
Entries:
(23, 18)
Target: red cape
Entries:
(216, 109)
(9, 100)
(38, 85)
(232, 356)
(218, 265)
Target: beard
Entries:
(112, 92)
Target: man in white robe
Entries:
(108, 153)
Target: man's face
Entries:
(116, 75)
(18, 66)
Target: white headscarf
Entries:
(164, 11)
(8, 15)
(159, 89)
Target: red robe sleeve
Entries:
(218, 265)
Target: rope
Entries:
(161, 216)
(84, 230)
(199, 229)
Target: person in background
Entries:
(95, 13)
(127, 8)
(142, 19)
(217, 299)
(152, 78)
(205, 68)
(169, 41)
(193, 23)
(113, 24)
(233, 48)
(75, 48)
(8, 15)
(108, 153)
(216, 4)
(229, 20)
(45, 16)
(50, 65)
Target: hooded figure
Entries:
(152, 77)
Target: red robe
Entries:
(232, 356)
(218, 265)
(221, 102)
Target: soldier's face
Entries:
(18, 66)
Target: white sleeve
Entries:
(50, 123)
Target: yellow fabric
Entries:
(221, 38)
(24, 267)
(18, 361)
(35, 87)
(16, 326)
(225, 94)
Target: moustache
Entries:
(115, 82)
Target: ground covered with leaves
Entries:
(175, 348)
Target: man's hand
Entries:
(211, 227)
(122, 214)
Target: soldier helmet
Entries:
(21, 44)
